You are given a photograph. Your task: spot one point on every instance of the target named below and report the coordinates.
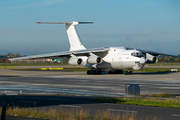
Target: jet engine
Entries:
(151, 59)
(94, 59)
(75, 61)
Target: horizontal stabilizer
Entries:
(64, 22)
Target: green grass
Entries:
(32, 64)
(71, 114)
(65, 69)
(164, 95)
(164, 64)
(155, 70)
(170, 103)
(85, 69)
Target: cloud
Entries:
(42, 3)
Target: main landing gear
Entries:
(97, 71)
(128, 72)
(94, 72)
(116, 72)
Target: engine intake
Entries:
(151, 59)
(75, 61)
(94, 60)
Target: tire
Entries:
(125, 72)
(93, 72)
(99, 71)
(88, 72)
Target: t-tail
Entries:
(74, 39)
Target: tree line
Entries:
(10, 55)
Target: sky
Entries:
(152, 25)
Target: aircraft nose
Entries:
(142, 60)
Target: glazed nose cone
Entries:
(142, 60)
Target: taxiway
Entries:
(78, 83)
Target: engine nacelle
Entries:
(151, 59)
(94, 60)
(75, 61)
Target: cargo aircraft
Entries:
(114, 60)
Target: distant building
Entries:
(49, 60)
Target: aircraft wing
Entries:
(84, 52)
(151, 52)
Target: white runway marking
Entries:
(28, 101)
(122, 110)
(176, 115)
(40, 84)
(170, 87)
(70, 106)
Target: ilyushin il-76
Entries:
(114, 60)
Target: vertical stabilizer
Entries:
(74, 40)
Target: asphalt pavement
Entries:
(39, 84)
(81, 102)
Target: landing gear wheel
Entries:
(94, 72)
(128, 72)
(98, 71)
(116, 72)
(119, 72)
(125, 72)
(88, 72)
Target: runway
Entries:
(78, 83)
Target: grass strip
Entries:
(32, 64)
(85, 69)
(170, 103)
(51, 69)
(155, 70)
(164, 95)
(164, 64)
(71, 114)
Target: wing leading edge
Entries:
(85, 52)
(150, 52)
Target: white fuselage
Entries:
(118, 58)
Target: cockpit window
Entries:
(137, 54)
